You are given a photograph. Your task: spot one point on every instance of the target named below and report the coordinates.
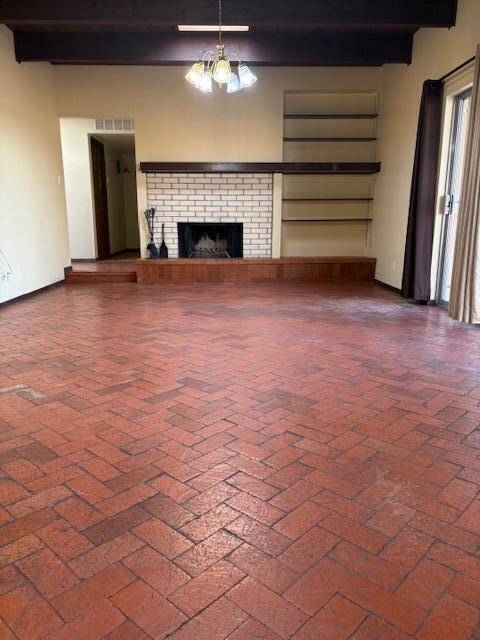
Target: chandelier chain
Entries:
(220, 22)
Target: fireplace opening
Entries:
(210, 240)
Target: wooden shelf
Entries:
(327, 219)
(331, 168)
(329, 139)
(289, 168)
(327, 200)
(330, 116)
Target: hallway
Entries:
(248, 462)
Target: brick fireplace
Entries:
(214, 198)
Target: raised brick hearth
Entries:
(214, 197)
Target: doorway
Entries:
(100, 188)
(115, 196)
(452, 196)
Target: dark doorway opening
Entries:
(210, 240)
(100, 197)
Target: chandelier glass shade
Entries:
(219, 66)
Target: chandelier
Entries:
(216, 65)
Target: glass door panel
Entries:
(458, 141)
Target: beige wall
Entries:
(436, 51)
(33, 230)
(130, 200)
(175, 122)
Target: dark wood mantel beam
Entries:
(303, 168)
(332, 49)
(404, 14)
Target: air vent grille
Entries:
(108, 124)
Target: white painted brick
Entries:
(193, 197)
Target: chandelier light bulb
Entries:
(247, 78)
(233, 84)
(206, 82)
(222, 71)
(195, 74)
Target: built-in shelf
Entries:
(330, 116)
(326, 219)
(295, 200)
(329, 139)
(290, 168)
(326, 126)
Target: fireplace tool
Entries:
(149, 216)
(163, 251)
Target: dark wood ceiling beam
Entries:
(407, 14)
(355, 49)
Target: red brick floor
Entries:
(247, 463)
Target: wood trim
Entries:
(330, 116)
(101, 276)
(263, 261)
(274, 270)
(299, 200)
(329, 139)
(327, 219)
(262, 167)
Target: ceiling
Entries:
(118, 142)
(282, 32)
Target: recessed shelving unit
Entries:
(337, 209)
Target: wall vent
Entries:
(108, 124)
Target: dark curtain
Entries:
(421, 217)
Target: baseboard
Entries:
(390, 287)
(59, 283)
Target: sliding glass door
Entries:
(456, 161)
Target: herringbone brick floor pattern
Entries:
(248, 463)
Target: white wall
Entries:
(78, 186)
(33, 232)
(435, 52)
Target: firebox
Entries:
(210, 240)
